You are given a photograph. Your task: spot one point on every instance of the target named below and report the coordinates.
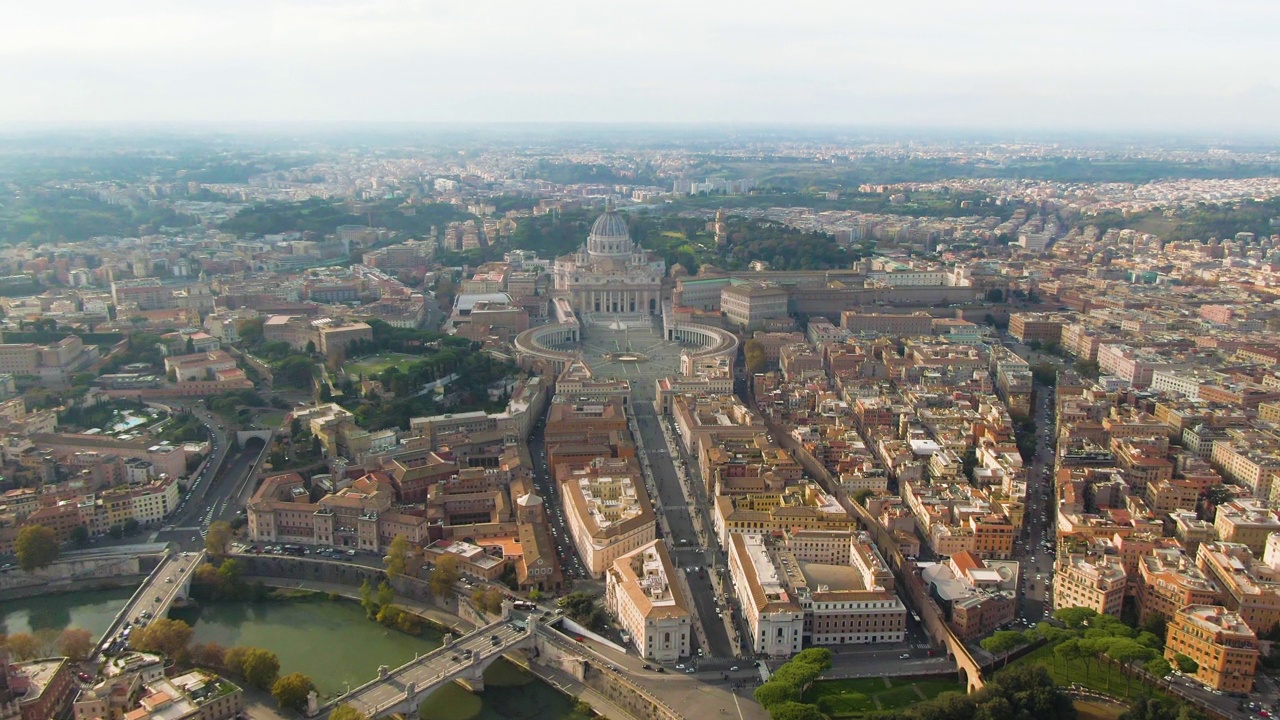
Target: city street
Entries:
(682, 506)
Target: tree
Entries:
(218, 538)
(386, 594)
(396, 561)
(260, 668)
(163, 635)
(291, 691)
(368, 599)
(36, 547)
(862, 495)
(75, 643)
(1002, 642)
(444, 575)
(753, 350)
(776, 693)
(1069, 652)
(488, 600)
(1158, 666)
(210, 655)
(130, 527)
(346, 712)
(535, 595)
(80, 535)
(22, 646)
(1186, 665)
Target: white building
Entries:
(775, 620)
(642, 593)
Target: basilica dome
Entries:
(609, 236)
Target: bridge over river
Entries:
(169, 583)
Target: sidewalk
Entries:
(569, 685)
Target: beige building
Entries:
(844, 587)
(1247, 523)
(1168, 582)
(749, 306)
(642, 592)
(1093, 582)
(1225, 648)
(1249, 588)
(606, 510)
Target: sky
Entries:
(1119, 65)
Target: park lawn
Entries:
(271, 419)
(375, 364)
(855, 697)
(1104, 678)
(1097, 711)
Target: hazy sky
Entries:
(1118, 64)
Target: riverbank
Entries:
(434, 616)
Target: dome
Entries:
(610, 225)
(609, 236)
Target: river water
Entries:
(331, 641)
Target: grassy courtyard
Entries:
(855, 697)
(374, 364)
(1105, 679)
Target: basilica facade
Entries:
(610, 278)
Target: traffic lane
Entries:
(679, 515)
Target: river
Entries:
(329, 640)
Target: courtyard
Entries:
(607, 351)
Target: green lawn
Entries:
(1104, 678)
(271, 420)
(857, 696)
(375, 364)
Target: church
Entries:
(610, 279)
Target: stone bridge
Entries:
(463, 660)
(170, 582)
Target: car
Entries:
(157, 598)
(647, 666)
(679, 666)
(579, 638)
(690, 670)
(84, 676)
(904, 656)
(661, 669)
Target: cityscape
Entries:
(739, 366)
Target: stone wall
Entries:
(78, 574)
(336, 572)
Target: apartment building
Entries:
(843, 585)
(642, 592)
(1246, 522)
(1249, 587)
(1224, 647)
(607, 510)
(1095, 582)
(1037, 327)
(860, 323)
(1249, 458)
(1168, 581)
(774, 618)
